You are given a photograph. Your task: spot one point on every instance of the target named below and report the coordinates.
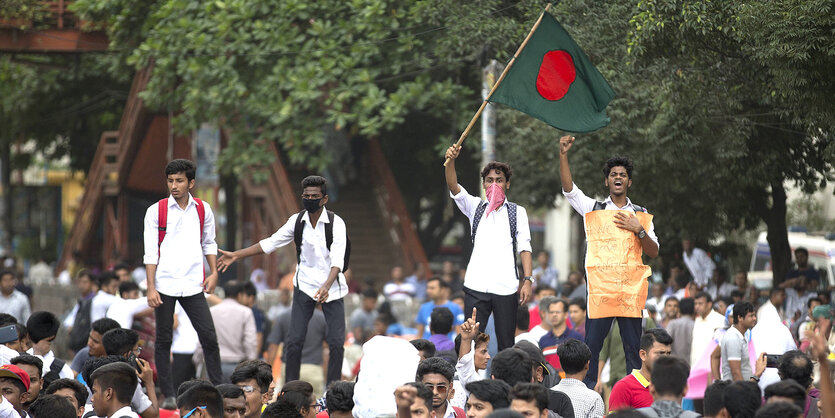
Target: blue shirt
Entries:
(549, 339)
(426, 311)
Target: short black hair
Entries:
(741, 309)
(181, 165)
(254, 369)
(683, 278)
(22, 331)
(29, 360)
(424, 393)
(505, 413)
(626, 413)
(531, 392)
(513, 366)
(316, 181)
(780, 410)
(229, 391)
(202, 394)
(496, 392)
(787, 388)
(653, 335)
(542, 288)
(495, 165)
(523, 318)
(440, 320)
(742, 399)
(188, 384)
(119, 341)
(6, 272)
(102, 325)
(7, 319)
(52, 406)
(94, 363)
(435, 365)
(121, 266)
(42, 325)
(370, 293)
(737, 294)
(107, 277)
(79, 391)
(775, 290)
(578, 302)
(704, 295)
(282, 408)
(298, 401)
(801, 250)
(796, 365)
(617, 161)
(715, 397)
(686, 306)
(428, 347)
(440, 281)
(574, 355)
(815, 299)
(340, 397)
(128, 286)
(119, 376)
(669, 375)
(299, 386)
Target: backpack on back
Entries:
(81, 326)
(511, 217)
(54, 372)
(299, 229)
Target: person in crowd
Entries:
(492, 283)
(33, 366)
(574, 358)
(772, 310)
(140, 402)
(805, 323)
(720, 288)
(440, 326)
(514, 366)
(362, 319)
(107, 294)
(578, 286)
(714, 406)
(414, 400)
(9, 349)
(132, 306)
(256, 379)
(523, 322)
(633, 390)
(71, 390)
(544, 273)
(540, 292)
(14, 387)
(339, 400)
(530, 400)
(681, 329)
(736, 365)
(559, 333)
(487, 396)
(800, 284)
(318, 278)
(248, 296)
(94, 346)
(235, 330)
(471, 347)
(125, 344)
(795, 365)
(437, 291)
(669, 385)
(618, 178)
(13, 301)
(779, 410)
(657, 297)
(418, 280)
(112, 387)
(436, 373)
(544, 326)
(577, 314)
(542, 372)
(424, 347)
(706, 322)
(698, 262)
(773, 338)
(671, 311)
(742, 399)
(301, 394)
(52, 406)
(234, 401)
(397, 288)
(313, 356)
(201, 400)
(174, 264)
(721, 304)
(786, 391)
(43, 328)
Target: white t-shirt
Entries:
(399, 291)
(123, 311)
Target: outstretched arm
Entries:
(449, 171)
(565, 170)
(227, 258)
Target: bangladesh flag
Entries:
(553, 80)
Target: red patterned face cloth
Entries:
(495, 197)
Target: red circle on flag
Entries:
(556, 73)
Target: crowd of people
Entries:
(485, 340)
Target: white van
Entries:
(821, 256)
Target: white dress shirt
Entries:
(47, 359)
(100, 304)
(700, 266)
(703, 329)
(124, 310)
(491, 268)
(179, 259)
(316, 261)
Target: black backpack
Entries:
(81, 326)
(54, 372)
(299, 229)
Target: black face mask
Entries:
(311, 205)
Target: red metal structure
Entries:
(59, 32)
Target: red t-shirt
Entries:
(630, 392)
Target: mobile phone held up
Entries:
(8, 334)
(773, 360)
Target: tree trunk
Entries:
(778, 236)
(6, 222)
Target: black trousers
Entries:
(503, 308)
(182, 368)
(596, 332)
(300, 315)
(198, 313)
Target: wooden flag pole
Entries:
(501, 77)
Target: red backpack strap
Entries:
(201, 214)
(458, 412)
(162, 221)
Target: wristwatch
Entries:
(642, 234)
(755, 378)
(528, 278)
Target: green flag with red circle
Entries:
(553, 80)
